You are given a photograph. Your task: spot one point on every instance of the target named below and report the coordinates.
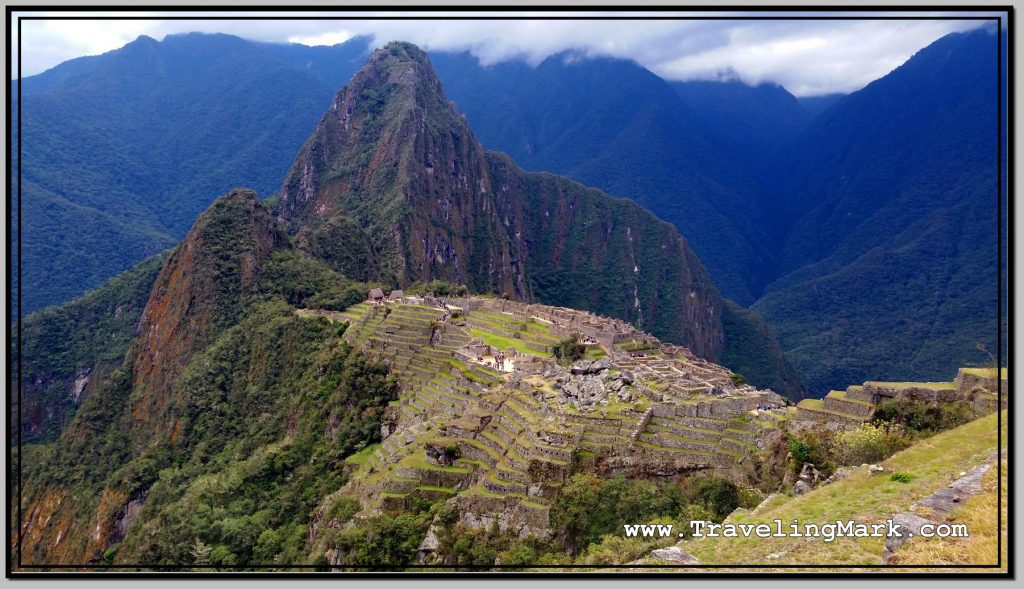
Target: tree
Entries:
(201, 552)
(569, 350)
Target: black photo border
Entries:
(1004, 23)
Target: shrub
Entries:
(568, 350)
(868, 443)
(343, 509)
(519, 556)
(901, 477)
(719, 495)
(383, 540)
(920, 417)
(750, 498)
(813, 447)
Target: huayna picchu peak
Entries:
(394, 172)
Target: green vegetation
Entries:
(306, 282)
(568, 350)
(462, 546)
(896, 425)
(90, 334)
(893, 281)
(362, 456)
(235, 420)
(438, 288)
(985, 372)
(590, 508)
(922, 418)
(96, 206)
(382, 541)
(239, 487)
(868, 443)
(752, 350)
(253, 430)
(588, 517)
(901, 477)
(503, 343)
(932, 463)
(985, 530)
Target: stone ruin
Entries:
(976, 386)
(498, 445)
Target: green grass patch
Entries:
(932, 464)
(938, 386)
(363, 456)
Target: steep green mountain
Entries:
(888, 222)
(682, 150)
(393, 156)
(752, 351)
(614, 125)
(123, 150)
(395, 174)
(752, 125)
(218, 375)
(69, 349)
(125, 199)
(251, 423)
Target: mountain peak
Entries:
(394, 172)
(396, 66)
(401, 51)
(198, 294)
(377, 146)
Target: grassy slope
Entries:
(504, 343)
(977, 514)
(933, 463)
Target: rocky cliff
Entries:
(196, 295)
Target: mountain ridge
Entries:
(879, 246)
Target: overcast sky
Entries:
(808, 57)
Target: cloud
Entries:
(808, 57)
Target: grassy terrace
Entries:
(478, 375)
(636, 346)
(471, 463)
(363, 456)
(985, 372)
(671, 449)
(436, 489)
(332, 316)
(819, 405)
(503, 343)
(841, 395)
(528, 501)
(932, 464)
(416, 460)
(938, 386)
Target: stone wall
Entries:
(512, 516)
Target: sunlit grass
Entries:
(862, 497)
